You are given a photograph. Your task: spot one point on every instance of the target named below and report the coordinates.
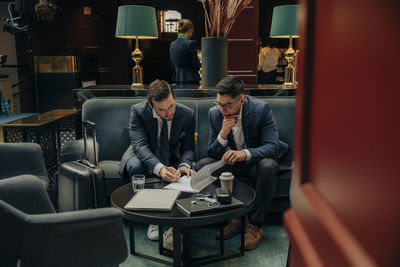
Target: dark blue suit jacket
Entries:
(184, 61)
(259, 129)
(143, 129)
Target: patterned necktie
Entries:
(164, 144)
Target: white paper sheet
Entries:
(182, 185)
(199, 181)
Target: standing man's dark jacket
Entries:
(184, 60)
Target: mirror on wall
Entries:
(271, 60)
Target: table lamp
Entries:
(136, 22)
(284, 25)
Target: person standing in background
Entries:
(269, 56)
(183, 56)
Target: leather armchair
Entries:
(34, 235)
(22, 158)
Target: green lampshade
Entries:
(284, 22)
(136, 21)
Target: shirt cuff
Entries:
(157, 169)
(222, 141)
(184, 164)
(248, 158)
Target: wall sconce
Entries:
(87, 10)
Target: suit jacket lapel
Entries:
(153, 128)
(175, 130)
(245, 121)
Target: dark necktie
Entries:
(164, 144)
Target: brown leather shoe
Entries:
(231, 229)
(252, 236)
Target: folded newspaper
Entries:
(199, 181)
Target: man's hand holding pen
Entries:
(170, 174)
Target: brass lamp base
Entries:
(137, 86)
(137, 78)
(137, 71)
(289, 77)
(290, 70)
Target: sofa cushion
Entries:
(283, 151)
(203, 125)
(111, 116)
(283, 111)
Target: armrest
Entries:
(21, 158)
(285, 169)
(78, 238)
(73, 150)
(26, 193)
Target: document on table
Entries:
(199, 181)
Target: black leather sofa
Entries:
(111, 116)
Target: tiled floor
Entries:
(272, 251)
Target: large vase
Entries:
(214, 57)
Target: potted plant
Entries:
(220, 15)
(45, 10)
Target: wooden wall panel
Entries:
(242, 46)
(345, 181)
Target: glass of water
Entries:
(138, 182)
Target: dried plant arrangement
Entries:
(45, 10)
(220, 15)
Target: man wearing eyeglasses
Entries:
(244, 134)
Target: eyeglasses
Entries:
(204, 200)
(227, 106)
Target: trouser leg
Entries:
(261, 176)
(265, 172)
(134, 166)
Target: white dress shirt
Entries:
(268, 59)
(238, 137)
(158, 167)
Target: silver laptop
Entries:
(153, 200)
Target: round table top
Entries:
(176, 217)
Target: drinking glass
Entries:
(138, 181)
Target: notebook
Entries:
(153, 200)
(195, 209)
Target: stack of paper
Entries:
(199, 181)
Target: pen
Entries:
(173, 171)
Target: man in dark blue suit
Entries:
(162, 138)
(244, 134)
(183, 56)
